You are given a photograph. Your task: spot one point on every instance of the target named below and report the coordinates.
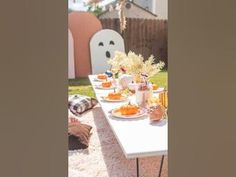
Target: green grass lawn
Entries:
(82, 85)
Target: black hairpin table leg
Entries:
(162, 160)
(137, 167)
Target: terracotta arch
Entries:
(83, 25)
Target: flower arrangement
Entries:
(135, 64)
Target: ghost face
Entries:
(109, 48)
(102, 47)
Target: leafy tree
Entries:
(95, 9)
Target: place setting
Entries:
(142, 103)
(105, 85)
(115, 96)
(154, 109)
(102, 77)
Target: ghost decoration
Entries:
(103, 45)
(71, 60)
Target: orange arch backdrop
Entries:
(83, 25)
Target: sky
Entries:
(79, 5)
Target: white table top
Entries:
(137, 137)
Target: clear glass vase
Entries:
(143, 94)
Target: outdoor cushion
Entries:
(79, 103)
(78, 135)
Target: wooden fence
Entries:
(143, 36)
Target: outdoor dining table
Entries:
(137, 137)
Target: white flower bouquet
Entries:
(135, 65)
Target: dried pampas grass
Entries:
(120, 8)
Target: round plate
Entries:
(160, 89)
(105, 98)
(117, 114)
(104, 88)
(99, 80)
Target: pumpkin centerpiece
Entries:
(129, 109)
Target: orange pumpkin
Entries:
(129, 109)
(106, 84)
(154, 87)
(114, 96)
(102, 76)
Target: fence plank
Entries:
(143, 36)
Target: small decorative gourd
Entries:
(154, 87)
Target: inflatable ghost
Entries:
(103, 45)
